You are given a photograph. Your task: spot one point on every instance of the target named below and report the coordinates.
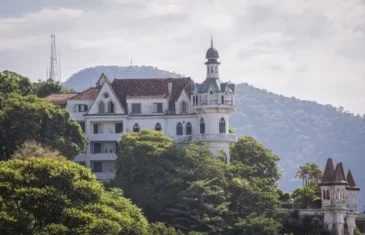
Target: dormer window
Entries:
(101, 107)
(110, 107)
(157, 108)
(184, 108)
(81, 108)
(136, 108)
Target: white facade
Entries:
(183, 112)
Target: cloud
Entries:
(305, 48)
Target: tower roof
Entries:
(339, 175)
(328, 171)
(212, 53)
(351, 181)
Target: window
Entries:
(101, 107)
(183, 107)
(222, 99)
(97, 147)
(82, 107)
(97, 166)
(136, 108)
(119, 127)
(188, 128)
(222, 126)
(158, 127)
(136, 128)
(111, 107)
(157, 108)
(179, 129)
(82, 124)
(97, 128)
(328, 194)
(202, 126)
(106, 95)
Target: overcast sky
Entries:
(310, 49)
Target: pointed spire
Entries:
(328, 171)
(103, 78)
(339, 177)
(211, 39)
(342, 171)
(351, 181)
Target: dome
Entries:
(212, 53)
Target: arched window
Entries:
(136, 128)
(324, 194)
(184, 107)
(188, 128)
(222, 126)
(328, 194)
(101, 107)
(158, 127)
(179, 129)
(111, 107)
(202, 126)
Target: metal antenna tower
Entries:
(54, 68)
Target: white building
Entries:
(181, 108)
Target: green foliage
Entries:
(310, 174)
(251, 153)
(53, 196)
(304, 197)
(45, 88)
(31, 118)
(161, 229)
(192, 189)
(304, 225)
(255, 224)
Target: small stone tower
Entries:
(339, 198)
(213, 101)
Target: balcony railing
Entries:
(104, 137)
(226, 103)
(104, 176)
(206, 137)
(102, 156)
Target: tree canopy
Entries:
(31, 118)
(55, 196)
(194, 190)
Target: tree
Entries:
(258, 225)
(309, 173)
(45, 88)
(146, 170)
(251, 153)
(31, 118)
(53, 196)
(32, 148)
(305, 197)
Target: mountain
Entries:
(297, 131)
(88, 77)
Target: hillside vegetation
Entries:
(297, 131)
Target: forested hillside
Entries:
(301, 131)
(297, 131)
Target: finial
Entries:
(211, 39)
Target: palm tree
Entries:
(303, 173)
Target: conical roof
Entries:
(339, 176)
(328, 172)
(351, 181)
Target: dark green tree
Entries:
(31, 118)
(45, 88)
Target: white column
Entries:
(351, 223)
(88, 147)
(339, 227)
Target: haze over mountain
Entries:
(297, 131)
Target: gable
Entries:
(105, 96)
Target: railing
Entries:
(104, 176)
(215, 103)
(104, 137)
(102, 156)
(206, 137)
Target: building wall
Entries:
(73, 109)
(147, 105)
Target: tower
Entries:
(339, 198)
(54, 70)
(213, 101)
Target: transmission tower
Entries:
(54, 69)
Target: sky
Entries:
(309, 49)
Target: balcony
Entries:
(205, 137)
(104, 137)
(102, 157)
(227, 104)
(104, 176)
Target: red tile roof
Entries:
(151, 87)
(57, 98)
(88, 94)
